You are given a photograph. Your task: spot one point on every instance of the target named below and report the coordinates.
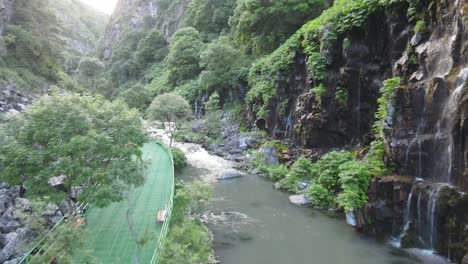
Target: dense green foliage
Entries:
(137, 96)
(152, 48)
(338, 179)
(180, 160)
(261, 26)
(87, 141)
(188, 240)
(184, 56)
(223, 66)
(90, 68)
(38, 43)
(312, 39)
(209, 17)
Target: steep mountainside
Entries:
(167, 16)
(41, 44)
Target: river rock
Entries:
(11, 241)
(230, 174)
(245, 143)
(465, 259)
(270, 155)
(300, 200)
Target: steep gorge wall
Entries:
(426, 133)
(134, 13)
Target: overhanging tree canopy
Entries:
(88, 143)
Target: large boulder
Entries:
(300, 200)
(270, 155)
(230, 174)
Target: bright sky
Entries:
(106, 6)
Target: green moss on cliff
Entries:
(314, 38)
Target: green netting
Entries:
(109, 237)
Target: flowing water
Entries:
(253, 223)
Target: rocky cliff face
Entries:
(134, 13)
(426, 134)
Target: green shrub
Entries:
(319, 92)
(318, 66)
(420, 26)
(387, 96)
(188, 136)
(319, 195)
(180, 160)
(354, 179)
(342, 96)
(327, 168)
(302, 169)
(278, 172)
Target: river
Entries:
(253, 223)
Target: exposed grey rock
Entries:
(52, 214)
(270, 155)
(245, 143)
(230, 174)
(10, 226)
(13, 261)
(23, 204)
(277, 185)
(56, 181)
(12, 241)
(300, 200)
(416, 39)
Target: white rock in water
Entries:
(230, 174)
(351, 219)
(299, 199)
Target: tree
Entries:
(151, 48)
(66, 142)
(90, 68)
(136, 97)
(222, 66)
(210, 16)
(180, 160)
(262, 25)
(169, 108)
(184, 56)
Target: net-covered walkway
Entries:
(107, 229)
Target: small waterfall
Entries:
(446, 124)
(199, 106)
(196, 109)
(289, 125)
(431, 216)
(421, 221)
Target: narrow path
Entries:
(108, 234)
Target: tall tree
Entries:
(223, 66)
(184, 56)
(90, 68)
(169, 108)
(66, 142)
(151, 48)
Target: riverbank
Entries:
(254, 223)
